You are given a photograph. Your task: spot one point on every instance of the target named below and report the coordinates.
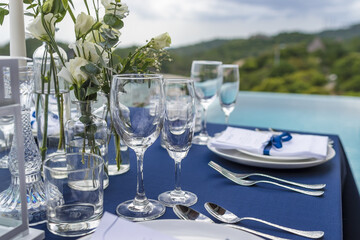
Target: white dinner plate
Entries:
(191, 230)
(242, 158)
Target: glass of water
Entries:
(229, 89)
(207, 77)
(178, 131)
(73, 211)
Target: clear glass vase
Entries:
(51, 101)
(9, 199)
(87, 133)
(118, 161)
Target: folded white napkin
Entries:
(301, 145)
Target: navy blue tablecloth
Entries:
(337, 212)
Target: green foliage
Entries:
(298, 70)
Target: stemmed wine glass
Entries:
(207, 76)
(178, 132)
(229, 89)
(137, 110)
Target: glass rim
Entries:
(60, 155)
(208, 62)
(178, 80)
(230, 66)
(138, 76)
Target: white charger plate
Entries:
(191, 230)
(242, 158)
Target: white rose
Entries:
(161, 41)
(88, 51)
(37, 29)
(83, 24)
(72, 72)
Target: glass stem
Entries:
(140, 190)
(226, 120)
(203, 129)
(177, 176)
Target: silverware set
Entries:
(314, 189)
(229, 219)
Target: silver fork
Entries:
(248, 183)
(219, 168)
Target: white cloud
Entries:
(191, 21)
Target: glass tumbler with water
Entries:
(73, 210)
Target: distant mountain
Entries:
(342, 34)
(226, 50)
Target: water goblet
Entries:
(229, 89)
(178, 131)
(137, 111)
(207, 76)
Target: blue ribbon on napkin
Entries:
(276, 141)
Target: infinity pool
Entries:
(312, 113)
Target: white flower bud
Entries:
(37, 29)
(83, 24)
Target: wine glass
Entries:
(178, 131)
(137, 111)
(207, 76)
(229, 89)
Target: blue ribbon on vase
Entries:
(276, 141)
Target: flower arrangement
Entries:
(95, 60)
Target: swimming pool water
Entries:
(311, 113)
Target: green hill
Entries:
(326, 62)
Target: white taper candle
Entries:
(17, 30)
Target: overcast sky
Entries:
(192, 21)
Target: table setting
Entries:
(296, 182)
(220, 181)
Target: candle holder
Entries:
(15, 226)
(10, 204)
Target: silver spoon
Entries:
(226, 216)
(187, 213)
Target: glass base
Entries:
(201, 139)
(113, 169)
(150, 210)
(73, 220)
(10, 204)
(171, 198)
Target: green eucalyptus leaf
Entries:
(91, 69)
(94, 80)
(91, 90)
(113, 21)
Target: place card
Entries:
(113, 227)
